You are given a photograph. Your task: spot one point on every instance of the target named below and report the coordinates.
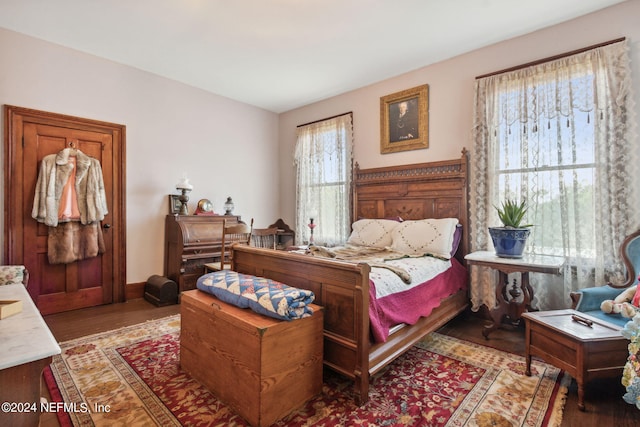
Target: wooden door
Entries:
(30, 136)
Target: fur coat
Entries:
(55, 170)
(72, 241)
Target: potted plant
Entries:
(510, 239)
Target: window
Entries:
(323, 159)
(549, 161)
(559, 135)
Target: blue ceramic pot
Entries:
(509, 242)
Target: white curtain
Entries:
(559, 135)
(323, 159)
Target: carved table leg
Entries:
(527, 291)
(507, 300)
(498, 313)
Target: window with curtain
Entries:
(323, 160)
(558, 135)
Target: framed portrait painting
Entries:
(404, 120)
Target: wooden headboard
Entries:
(416, 191)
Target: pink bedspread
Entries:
(408, 306)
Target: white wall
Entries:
(226, 147)
(451, 85)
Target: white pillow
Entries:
(426, 236)
(372, 232)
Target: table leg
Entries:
(496, 320)
(510, 307)
(527, 291)
(581, 395)
(498, 313)
(527, 349)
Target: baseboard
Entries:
(134, 291)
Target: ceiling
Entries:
(283, 54)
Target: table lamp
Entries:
(184, 186)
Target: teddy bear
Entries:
(627, 303)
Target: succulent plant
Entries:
(512, 213)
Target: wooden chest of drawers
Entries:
(261, 367)
(190, 242)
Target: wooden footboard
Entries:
(343, 290)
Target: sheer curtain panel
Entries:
(559, 135)
(323, 159)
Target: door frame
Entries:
(14, 120)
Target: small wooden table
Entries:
(584, 346)
(509, 302)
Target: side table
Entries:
(584, 346)
(515, 301)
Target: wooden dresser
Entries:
(190, 242)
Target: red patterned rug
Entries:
(132, 377)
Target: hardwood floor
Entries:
(603, 398)
(78, 323)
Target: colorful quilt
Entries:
(264, 296)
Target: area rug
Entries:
(132, 377)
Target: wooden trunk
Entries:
(261, 367)
(594, 349)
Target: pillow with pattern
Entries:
(10, 274)
(427, 236)
(372, 232)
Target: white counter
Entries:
(24, 337)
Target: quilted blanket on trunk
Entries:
(264, 296)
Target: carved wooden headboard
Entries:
(416, 191)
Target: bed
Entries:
(412, 192)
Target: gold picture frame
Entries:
(404, 120)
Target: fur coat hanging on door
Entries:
(72, 241)
(55, 171)
(82, 238)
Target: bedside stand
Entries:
(509, 303)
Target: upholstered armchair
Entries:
(14, 274)
(588, 300)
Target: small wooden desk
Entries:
(509, 302)
(584, 346)
(27, 347)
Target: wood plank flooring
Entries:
(603, 398)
